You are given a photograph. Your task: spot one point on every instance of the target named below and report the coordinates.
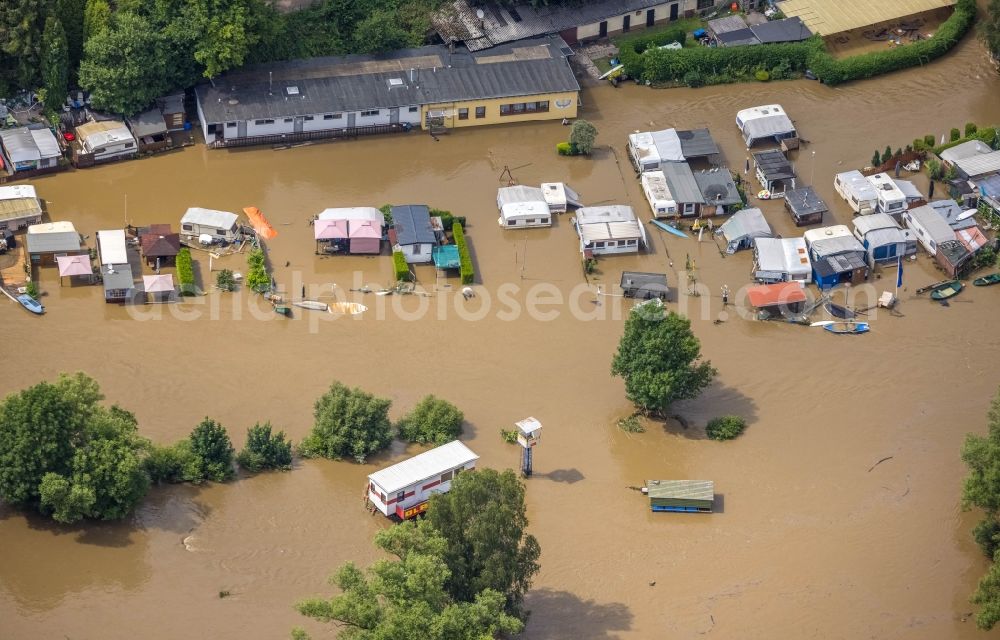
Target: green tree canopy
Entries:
(380, 31)
(484, 521)
(55, 63)
(659, 359)
(407, 597)
(583, 135)
(981, 489)
(432, 421)
(96, 18)
(989, 28)
(211, 446)
(21, 26)
(349, 424)
(265, 450)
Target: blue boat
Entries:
(669, 229)
(847, 327)
(29, 303)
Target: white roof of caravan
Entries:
(908, 189)
(765, 121)
(519, 193)
(46, 142)
(933, 222)
(556, 192)
(788, 255)
(18, 192)
(61, 226)
(111, 244)
(351, 213)
(866, 224)
(600, 232)
(662, 146)
(518, 210)
(825, 233)
(858, 185)
(209, 218)
(655, 183)
(24, 144)
(608, 213)
(423, 466)
(967, 149)
(885, 187)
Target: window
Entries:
(705, 4)
(260, 122)
(463, 113)
(414, 109)
(632, 243)
(187, 227)
(544, 221)
(519, 108)
(230, 125)
(931, 242)
(129, 145)
(459, 470)
(598, 245)
(401, 496)
(382, 497)
(445, 477)
(310, 118)
(370, 113)
(288, 119)
(333, 116)
(480, 112)
(220, 232)
(688, 207)
(512, 223)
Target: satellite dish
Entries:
(480, 14)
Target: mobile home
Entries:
(116, 272)
(414, 234)
(19, 207)
(743, 228)
(882, 238)
(781, 260)
(106, 140)
(661, 201)
(649, 150)
(774, 172)
(609, 229)
(219, 226)
(805, 206)
(765, 122)
(404, 489)
(857, 191)
(523, 207)
(929, 226)
(890, 199)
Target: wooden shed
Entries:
(643, 285)
(685, 496)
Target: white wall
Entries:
(319, 123)
(605, 250)
(406, 116)
(278, 126)
(410, 251)
(209, 137)
(381, 118)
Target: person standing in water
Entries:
(725, 295)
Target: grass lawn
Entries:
(688, 24)
(603, 64)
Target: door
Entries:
(627, 22)
(603, 33)
(299, 121)
(394, 115)
(241, 129)
(673, 11)
(569, 35)
(651, 17)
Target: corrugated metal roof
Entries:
(505, 23)
(209, 218)
(25, 144)
(603, 231)
(836, 245)
(950, 211)
(413, 224)
(717, 187)
(827, 17)
(519, 193)
(840, 263)
(979, 165)
(782, 255)
(428, 75)
(682, 183)
(856, 184)
(885, 236)
(787, 30)
(607, 213)
(968, 149)
(869, 223)
(931, 221)
(684, 489)
(111, 246)
(727, 24)
(148, 123)
(746, 223)
(423, 466)
(53, 242)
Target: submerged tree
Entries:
(265, 450)
(432, 421)
(349, 424)
(982, 489)
(214, 451)
(582, 136)
(659, 358)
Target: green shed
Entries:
(686, 496)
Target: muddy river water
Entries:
(808, 541)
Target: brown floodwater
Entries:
(809, 540)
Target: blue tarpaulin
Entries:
(445, 257)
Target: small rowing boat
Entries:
(987, 281)
(314, 305)
(841, 328)
(32, 305)
(947, 290)
(669, 229)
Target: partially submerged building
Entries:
(413, 233)
(29, 149)
(830, 17)
(857, 191)
(745, 226)
(45, 242)
(644, 285)
(160, 245)
(684, 496)
(776, 300)
(210, 225)
(106, 140)
(349, 230)
(882, 238)
(929, 226)
(774, 172)
(718, 190)
(609, 229)
(150, 130)
(781, 260)
(19, 207)
(651, 150)
(429, 87)
(683, 188)
(768, 122)
(837, 256)
(523, 207)
(403, 489)
(889, 197)
(805, 206)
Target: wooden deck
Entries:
(12, 265)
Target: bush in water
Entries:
(726, 427)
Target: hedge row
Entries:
(987, 135)
(185, 272)
(715, 65)
(465, 268)
(400, 266)
(834, 71)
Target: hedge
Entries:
(400, 266)
(987, 135)
(185, 272)
(465, 268)
(717, 65)
(834, 71)
(447, 219)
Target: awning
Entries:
(260, 223)
(770, 295)
(330, 229)
(158, 284)
(74, 266)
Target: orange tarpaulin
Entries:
(259, 223)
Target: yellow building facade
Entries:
(472, 113)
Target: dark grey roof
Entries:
(147, 123)
(717, 187)
(119, 278)
(803, 201)
(727, 24)
(954, 252)
(840, 263)
(631, 280)
(412, 223)
(787, 30)
(503, 23)
(53, 242)
(737, 38)
(681, 182)
(428, 75)
(697, 143)
(774, 164)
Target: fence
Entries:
(305, 136)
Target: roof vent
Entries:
(292, 91)
(233, 101)
(395, 82)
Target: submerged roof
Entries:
(505, 22)
(746, 223)
(681, 489)
(209, 218)
(643, 280)
(413, 224)
(804, 201)
(773, 164)
(717, 187)
(407, 77)
(771, 295)
(827, 17)
(423, 466)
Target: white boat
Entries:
(348, 308)
(314, 305)
(965, 215)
